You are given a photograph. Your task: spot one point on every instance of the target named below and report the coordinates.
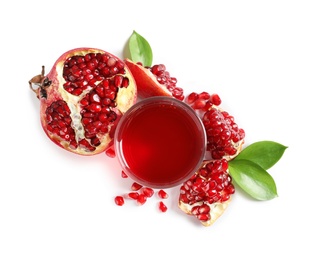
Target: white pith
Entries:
(216, 210)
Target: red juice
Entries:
(160, 142)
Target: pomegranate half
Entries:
(82, 98)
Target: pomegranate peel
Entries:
(82, 98)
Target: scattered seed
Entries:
(136, 186)
(119, 200)
(141, 199)
(162, 206)
(124, 175)
(133, 195)
(148, 192)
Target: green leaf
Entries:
(139, 49)
(263, 153)
(253, 179)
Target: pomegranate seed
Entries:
(203, 217)
(141, 199)
(162, 194)
(215, 99)
(148, 192)
(199, 104)
(111, 152)
(191, 98)
(162, 206)
(119, 200)
(136, 186)
(124, 175)
(204, 95)
(133, 195)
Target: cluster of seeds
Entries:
(59, 121)
(82, 72)
(203, 101)
(211, 184)
(164, 78)
(140, 194)
(224, 137)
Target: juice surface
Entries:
(161, 144)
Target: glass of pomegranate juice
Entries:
(160, 142)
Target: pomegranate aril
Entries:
(203, 217)
(199, 104)
(162, 206)
(191, 98)
(119, 200)
(158, 68)
(148, 192)
(133, 195)
(162, 194)
(110, 152)
(136, 186)
(215, 99)
(124, 175)
(141, 199)
(204, 95)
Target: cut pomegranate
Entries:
(208, 192)
(224, 137)
(82, 98)
(154, 81)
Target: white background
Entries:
(259, 56)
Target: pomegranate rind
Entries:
(146, 82)
(125, 98)
(216, 210)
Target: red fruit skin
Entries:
(146, 82)
(126, 97)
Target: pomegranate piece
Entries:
(82, 98)
(224, 137)
(154, 81)
(162, 194)
(124, 175)
(208, 192)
